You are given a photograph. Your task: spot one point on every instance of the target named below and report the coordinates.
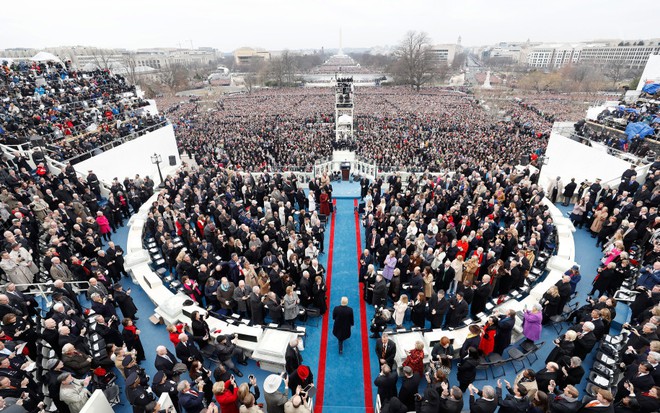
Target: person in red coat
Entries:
(324, 200)
(487, 343)
(226, 394)
(463, 247)
(415, 359)
(104, 225)
(174, 331)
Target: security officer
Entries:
(131, 366)
(162, 385)
(94, 184)
(140, 396)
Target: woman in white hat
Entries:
(275, 399)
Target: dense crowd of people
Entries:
(71, 112)
(248, 246)
(448, 246)
(58, 230)
(437, 250)
(614, 123)
(276, 130)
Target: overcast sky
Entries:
(312, 24)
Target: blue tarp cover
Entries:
(651, 88)
(639, 128)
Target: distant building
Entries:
(247, 55)
(505, 52)
(631, 55)
(87, 57)
(444, 53)
(553, 56)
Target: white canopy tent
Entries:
(45, 57)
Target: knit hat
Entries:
(303, 372)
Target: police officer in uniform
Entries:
(161, 385)
(140, 396)
(131, 366)
(94, 184)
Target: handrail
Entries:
(612, 151)
(45, 287)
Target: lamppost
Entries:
(157, 159)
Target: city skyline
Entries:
(301, 25)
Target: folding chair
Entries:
(530, 350)
(313, 314)
(496, 360)
(482, 366)
(516, 356)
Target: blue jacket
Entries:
(648, 278)
(191, 403)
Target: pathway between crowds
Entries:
(342, 383)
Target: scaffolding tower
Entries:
(344, 105)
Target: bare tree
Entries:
(174, 76)
(282, 69)
(249, 80)
(276, 71)
(254, 72)
(414, 65)
(459, 61)
(130, 63)
(582, 78)
(373, 61)
(288, 66)
(305, 63)
(102, 58)
(540, 82)
(441, 72)
(615, 71)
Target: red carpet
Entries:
(318, 404)
(366, 368)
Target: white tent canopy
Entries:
(45, 57)
(345, 119)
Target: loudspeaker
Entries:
(172, 160)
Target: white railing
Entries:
(357, 167)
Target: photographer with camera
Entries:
(226, 349)
(639, 337)
(298, 402)
(191, 400)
